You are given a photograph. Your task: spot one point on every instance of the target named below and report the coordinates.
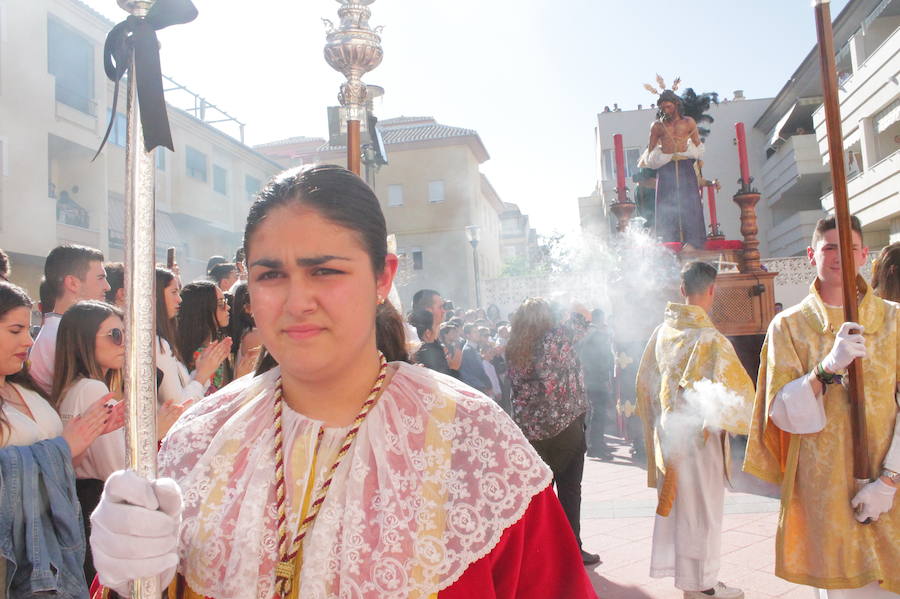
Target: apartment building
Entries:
(431, 190)
(518, 240)
(796, 177)
(55, 103)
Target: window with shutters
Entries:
(195, 163)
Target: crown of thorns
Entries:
(662, 91)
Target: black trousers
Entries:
(564, 453)
(89, 491)
(599, 400)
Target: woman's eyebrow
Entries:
(305, 262)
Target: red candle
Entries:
(711, 198)
(742, 152)
(620, 167)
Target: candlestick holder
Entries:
(749, 228)
(623, 211)
(746, 186)
(715, 233)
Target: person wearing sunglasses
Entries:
(36, 475)
(90, 354)
(202, 315)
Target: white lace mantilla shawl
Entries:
(436, 475)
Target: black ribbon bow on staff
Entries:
(139, 34)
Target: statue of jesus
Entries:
(674, 149)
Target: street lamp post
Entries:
(473, 234)
(354, 49)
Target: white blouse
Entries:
(177, 383)
(107, 453)
(24, 430)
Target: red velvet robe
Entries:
(537, 557)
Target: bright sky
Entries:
(528, 75)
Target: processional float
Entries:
(745, 300)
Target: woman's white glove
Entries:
(874, 499)
(847, 347)
(134, 530)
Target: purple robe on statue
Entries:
(679, 211)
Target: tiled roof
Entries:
(400, 120)
(289, 141)
(412, 129)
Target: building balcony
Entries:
(78, 235)
(871, 87)
(791, 236)
(874, 194)
(795, 169)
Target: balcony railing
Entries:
(70, 213)
(797, 157)
(866, 88)
(872, 187)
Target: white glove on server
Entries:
(847, 347)
(874, 499)
(134, 530)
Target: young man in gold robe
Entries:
(692, 391)
(801, 433)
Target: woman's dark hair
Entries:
(76, 347)
(240, 322)
(886, 273)
(344, 199)
(166, 327)
(422, 321)
(12, 297)
(196, 321)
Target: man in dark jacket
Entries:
(597, 362)
(471, 371)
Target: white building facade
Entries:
(55, 102)
(796, 177)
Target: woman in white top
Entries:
(178, 384)
(25, 415)
(90, 353)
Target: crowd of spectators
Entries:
(61, 414)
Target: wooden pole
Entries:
(353, 151)
(861, 470)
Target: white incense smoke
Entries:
(706, 405)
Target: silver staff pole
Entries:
(140, 296)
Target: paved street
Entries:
(617, 522)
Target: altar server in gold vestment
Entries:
(801, 433)
(692, 391)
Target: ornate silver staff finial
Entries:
(354, 49)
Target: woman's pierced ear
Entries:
(380, 299)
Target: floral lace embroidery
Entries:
(435, 476)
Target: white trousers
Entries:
(870, 591)
(687, 543)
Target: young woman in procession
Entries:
(31, 432)
(245, 344)
(90, 353)
(178, 384)
(202, 315)
(332, 473)
(549, 401)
